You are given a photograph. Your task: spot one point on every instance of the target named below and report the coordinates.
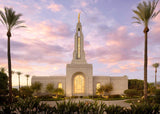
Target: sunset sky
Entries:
(113, 44)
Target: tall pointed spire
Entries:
(79, 54)
(79, 17)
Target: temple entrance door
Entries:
(78, 85)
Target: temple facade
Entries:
(79, 79)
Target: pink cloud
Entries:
(55, 7)
(117, 46)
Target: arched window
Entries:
(60, 85)
(98, 85)
(79, 83)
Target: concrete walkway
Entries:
(121, 103)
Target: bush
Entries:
(15, 92)
(157, 97)
(115, 96)
(95, 96)
(33, 106)
(80, 96)
(131, 92)
(74, 96)
(26, 91)
(145, 109)
(135, 84)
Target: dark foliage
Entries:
(135, 84)
(131, 92)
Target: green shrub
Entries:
(131, 92)
(26, 91)
(95, 96)
(135, 84)
(33, 106)
(115, 96)
(157, 96)
(145, 109)
(140, 92)
(112, 109)
(80, 96)
(74, 97)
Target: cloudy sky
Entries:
(113, 44)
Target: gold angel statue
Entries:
(79, 17)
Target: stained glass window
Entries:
(98, 85)
(60, 85)
(79, 47)
(79, 84)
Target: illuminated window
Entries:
(78, 31)
(98, 85)
(79, 84)
(60, 85)
(79, 47)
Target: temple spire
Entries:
(78, 53)
(79, 17)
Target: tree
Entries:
(36, 87)
(155, 65)
(144, 13)
(105, 89)
(108, 88)
(3, 87)
(50, 88)
(101, 90)
(3, 83)
(2, 69)
(59, 91)
(11, 20)
(27, 76)
(19, 74)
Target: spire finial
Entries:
(79, 17)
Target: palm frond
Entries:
(3, 20)
(20, 27)
(145, 11)
(138, 14)
(136, 18)
(10, 18)
(137, 22)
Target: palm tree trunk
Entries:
(19, 81)
(9, 68)
(145, 62)
(156, 77)
(27, 81)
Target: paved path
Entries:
(121, 103)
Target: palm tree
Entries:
(144, 13)
(155, 65)
(19, 74)
(27, 76)
(11, 20)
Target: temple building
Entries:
(79, 79)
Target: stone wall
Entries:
(119, 83)
(50, 79)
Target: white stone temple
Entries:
(79, 79)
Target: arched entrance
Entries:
(78, 84)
